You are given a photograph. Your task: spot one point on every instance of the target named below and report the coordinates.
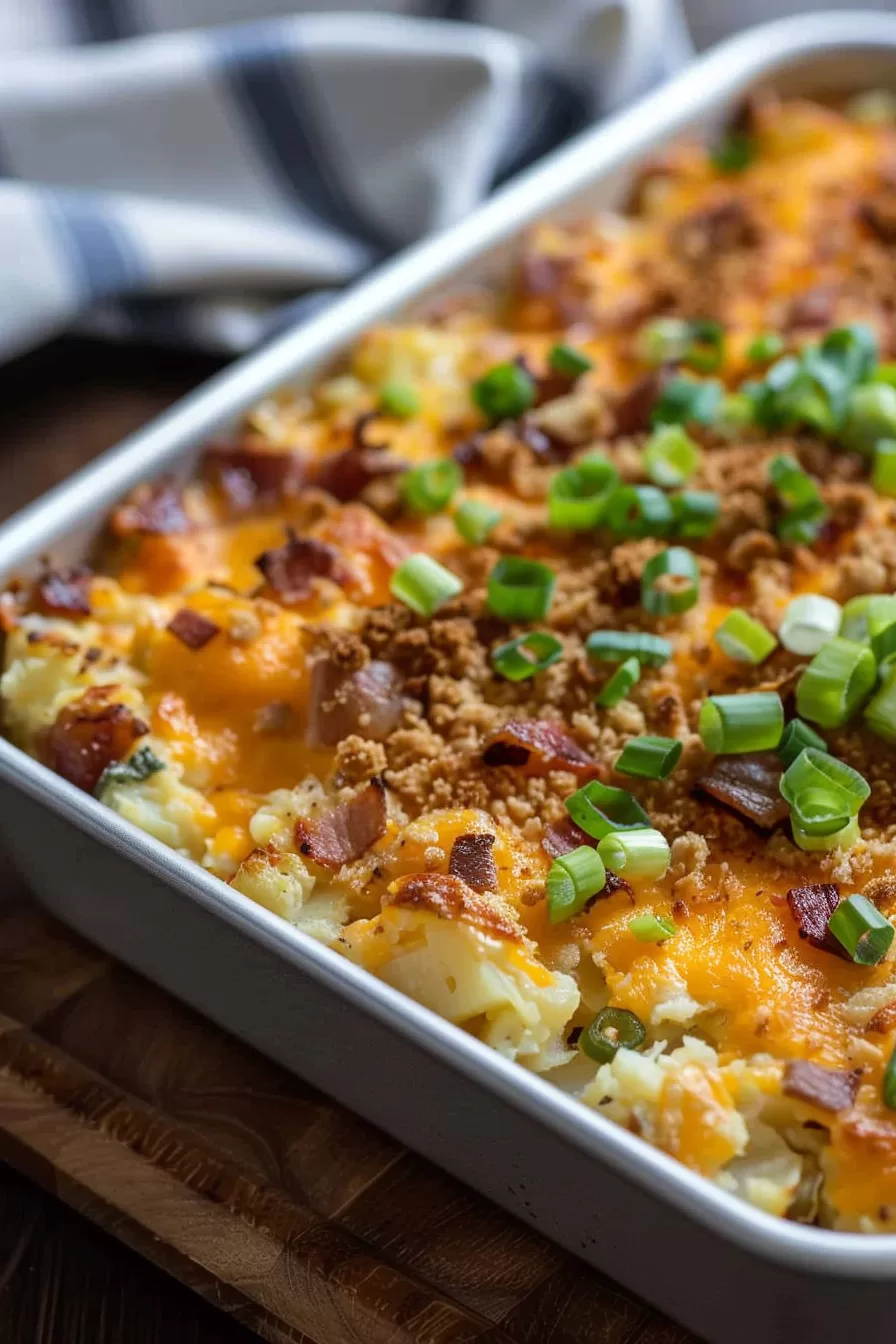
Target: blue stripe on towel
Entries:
(101, 255)
(265, 82)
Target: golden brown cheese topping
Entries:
(540, 661)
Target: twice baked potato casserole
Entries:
(542, 660)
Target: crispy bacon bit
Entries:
(291, 568)
(251, 471)
(829, 1089)
(157, 509)
(451, 898)
(65, 591)
(541, 274)
(536, 742)
(347, 831)
(347, 474)
(366, 700)
(89, 734)
(631, 413)
(469, 452)
(750, 785)
(563, 837)
(724, 227)
(812, 907)
(815, 308)
(473, 862)
(192, 628)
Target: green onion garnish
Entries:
(475, 521)
(600, 809)
(879, 613)
(744, 639)
(523, 657)
(883, 473)
(638, 853)
(614, 646)
(821, 811)
(707, 346)
(571, 882)
(504, 393)
(569, 362)
(802, 526)
(694, 513)
(809, 622)
(617, 688)
(862, 930)
(889, 1084)
(835, 683)
(854, 621)
(650, 928)
(883, 644)
(751, 721)
(671, 456)
(734, 152)
(870, 416)
(795, 486)
(817, 769)
(880, 712)
(766, 347)
(649, 757)
(686, 400)
(520, 589)
(665, 340)
(735, 414)
(638, 511)
(670, 582)
(844, 839)
(424, 585)
(431, 487)
(577, 494)
(797, 736)
(399, 399)
(613, 1029)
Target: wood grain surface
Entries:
(289, 1216)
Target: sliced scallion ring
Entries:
(431, 487)
(883, 473)
(626, 676)
(475, 520)
(670, 582)
(670, 456)
(854, 621)
(424, 585)
(844, 839)
(750, 721)
(821, 811)
(599, 809)
(638, 511)
(862, 930)
(568, 361)
(521, 589)
(523, 657)
(809, 622)
(685, 401)
(880, 712)
(578, 494)
(649, 757)
(399, 399)
(835, 683)
(744, 639)
(505, 392)
(883, 645)
(814, 769)
(613, 1029)
(614, 646)
(765, 347)
(650, 928)
(695, 513)
(664, 340)
(795, 486)
(870, 416)
(571, 882)
(640, 853)
(795, 738)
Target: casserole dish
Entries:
(128, 930)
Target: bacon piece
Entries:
(829, 1089)
(724, 227)
(536, 742)
(814, 308)
(366, 701)
(192, 628)
(750, 784)
(473, 862)
(564, 836)
(450, 898)
(347, 474)
(157, 509)
(631, 413)
(811, 907)
(65, 592)
(291, 568)
(89, 734)
(469, 452)
(347, 831)
(250, 471)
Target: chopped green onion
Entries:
(870, 416)
(670, 456)
(821, 811)
(639, 853)
(707, 347)
(686, 400)
(817, 769)
(797, 736)
(664, 340)
(809, 622)
(650, 928)
(884, 373)
(735, 414)
(638, 511)
(879, 613)
(504, 393)
(854, 622)
(475, 521)
(617, 688)
(751, 721)
(835, 683)
(571, 882)
(679, 567)
(569, 362)
(614, 646)
(600, 809)
(883, 644)
(734, 152)
(649, 757)
(613, 1029)
(844, 839)
(520, 589)
(852, 351)
(399, 399)
(883, 473)
(424, 585)
(139, 766)
(859, 926)
(578, 494)
(802, 526)
(523, 657)
(889, 1084)
(695, 513)
(765, 347)
(743, 638)
(795, 486)
(880, 712)
(431, 487)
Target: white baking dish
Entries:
(731, 1273)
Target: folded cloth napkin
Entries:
(185, 171)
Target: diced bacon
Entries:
(750, 785)
(290, 569)
(473, 862)
(449, 897)
(347, 474)
(366, 701)
(157, 509)
(192, 628)
(347, 831)
(89, 734)
(830, 1089)
(538, 743)
(812, 907)
(65, 592)
(250, 470)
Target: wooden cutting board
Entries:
(295, 1217)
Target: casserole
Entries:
(126, 930)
